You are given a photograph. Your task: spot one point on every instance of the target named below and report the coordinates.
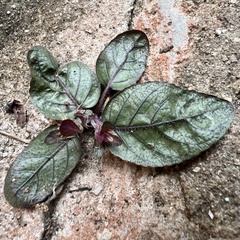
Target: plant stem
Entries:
(14, 137)
(110, 81)
(101, 101)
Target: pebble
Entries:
(237, 162)
(196, 169)
(5, 154)
(218, 31)
(210, 214)
(26, 134)
(226, 199)
(44, 119)
(97, 189)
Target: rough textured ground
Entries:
(198, 199)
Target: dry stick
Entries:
(14, 137)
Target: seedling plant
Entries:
(150, 124)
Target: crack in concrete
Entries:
(50, 224)
(186, 210)
(132, 15)
(49, 220)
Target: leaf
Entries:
(161, 124)
(19, 111)
(59, 92)
(69, 128)
(105, 135)
(40, 169)
(123, 60)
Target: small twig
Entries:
(81, 189)
(14, 137)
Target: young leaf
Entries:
(104, 134)
(69, 128)
(59, 92)
(161, 124)
(123, 60)
(39, 169)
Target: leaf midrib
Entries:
(36, 172)
(154, 125)
(109, 84)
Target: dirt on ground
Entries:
(198, 199)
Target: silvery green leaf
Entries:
(161, 124)
(123, 60)
(59, 91)
(40, 169)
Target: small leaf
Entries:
(59, 91)
(123, 60)
(39, 169)
(161, 124)
(19, 111)
(106, 136)
(69, 128)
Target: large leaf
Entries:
(58, 92)
(123, 60)
(40, 169)
(161, 124)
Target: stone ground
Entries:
(198, 199)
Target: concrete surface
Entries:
(194, 44)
